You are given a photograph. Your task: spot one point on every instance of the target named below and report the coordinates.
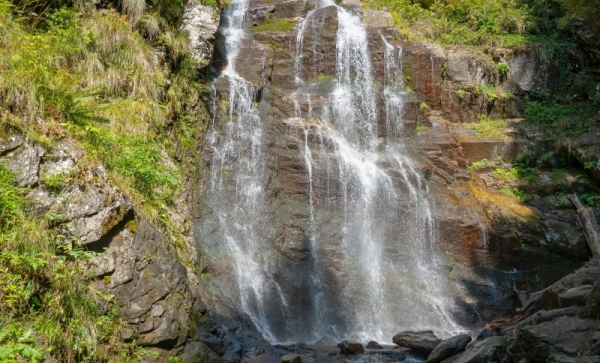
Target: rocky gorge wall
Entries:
(495, 248)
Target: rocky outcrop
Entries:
(490, 350)
(422, 342)
(351, 347)
(201, 22)
(136, 267)
(448, 348)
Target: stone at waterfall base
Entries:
(374, 345)
(448, 348)
(291, 358)
(422, 342)
(351, 347)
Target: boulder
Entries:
(374, 345)
(467, 68)
(288, 9)
(422, 342)
(197, 351)
(25, 164)
(200, 22)
(448, 348)
(265, 358)
(487, 351)
(351, 347)
(327, 341)
(291, 358)
(378, 19)
(550, 340)
(10, 142)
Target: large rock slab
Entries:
(487, 351)
(592, 305)
(25, 164)
(378, 18)
(550, 340)
(351, 347)
(201, 23)
(422, 342)
(448, 348)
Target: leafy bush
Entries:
(562, 120)
(470, 22)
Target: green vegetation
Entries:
(503, 69)
(515, 193)
(517, 172)
(125, 88)
(481, 164)
(92, 78)
(561, 120)
(488, 128)
(277, 25)
(45, 304)
(505, 23)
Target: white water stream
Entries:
(385, 276)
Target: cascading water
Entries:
(372, 268)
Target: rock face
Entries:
(136, 266)
(494, 248)
(448, 348)
(592, 305)
(422, 342)
(200, 22)
(486, 351)
(551, 340)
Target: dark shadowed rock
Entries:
(326, 341)
(487, 351)
(448, 348)
(291, 358)
(551, 340)
(230, 357)
(199, 352)
(422, 342)
(487, 332)
(351, 347)
(265, 358)
(374, 345)
(592, 305)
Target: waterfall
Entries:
(372, 268)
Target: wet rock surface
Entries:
(448, 348)
(422, 342)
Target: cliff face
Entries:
(492, 249)
(495, 248)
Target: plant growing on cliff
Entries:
(44, 298)
(503, 69)
(488, 128)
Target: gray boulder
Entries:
(265, 358)
(422, 342)
(378, 18)
(198, 352)
(201, 23)
(351, 347)
(374, 345)
(448, 348)
(291, 358)
(487, 351)
(550, 340)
